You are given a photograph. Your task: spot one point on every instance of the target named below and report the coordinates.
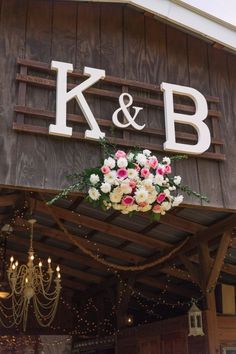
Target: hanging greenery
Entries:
(132, 182)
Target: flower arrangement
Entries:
(133, 182)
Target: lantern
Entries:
(195, 321)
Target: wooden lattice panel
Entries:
(36, 117)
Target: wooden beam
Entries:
(226, 267)
(61, 253)
(218, 262)
(176, 273)
(211, 330)
(180, 223)
(164, 285)
(204, 236)
(193, 271)
(99, 225)
(95, 247)
(204, 264)
(9, 199)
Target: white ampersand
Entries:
(129, 118)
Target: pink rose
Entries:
(167, 169)
(137, 167)
(122, 173)
(128, 200)
(120, 153)
(105, 169)
(153, 162)
(132, 184)
(142, 204)
(145, 172)
(156, 209)
(160, 171)
(160, 198)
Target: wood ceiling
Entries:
(121, 240)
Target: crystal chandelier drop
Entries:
(29, 284)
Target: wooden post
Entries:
(211, 328)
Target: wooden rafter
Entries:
(8, 199)
(218, 262)
(192, 269)
(180, 223)
(168, 287)
(102, 226)
(95, 247)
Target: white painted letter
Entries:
(60, 128)
(195, 120)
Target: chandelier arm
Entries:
(5, 325)
(18, 310)
(39, 319)
(46, 305)
(5, 314)
(47, 295)
(42, 316)
(17, 279)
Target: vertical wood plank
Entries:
(134, 57)
(60, 151)
(208, 171)
(88, 54)
(178, 73)
(112, 59)
(156, 69)
(31, 159)
(12, 40)
(228, 174)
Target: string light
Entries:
(149, 304)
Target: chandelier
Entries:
(30, 284)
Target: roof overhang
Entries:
(189, 18)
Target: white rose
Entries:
(177, 200)
(106, 187)
(132, 173)
(173, 188)
(110, 162)
(177, 180)
(147, 152)
(125, 188)
(167, 160)
(122, 162)
(94, 193)
(115, 197)
(141, 159)
(94, 179)
(130, 156)
(158, 179)
(152, 197)
(110, 177)
(141, 195)
(167, 192)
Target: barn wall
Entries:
(127, 44)
(171, 337)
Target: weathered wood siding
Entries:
(127, 44)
